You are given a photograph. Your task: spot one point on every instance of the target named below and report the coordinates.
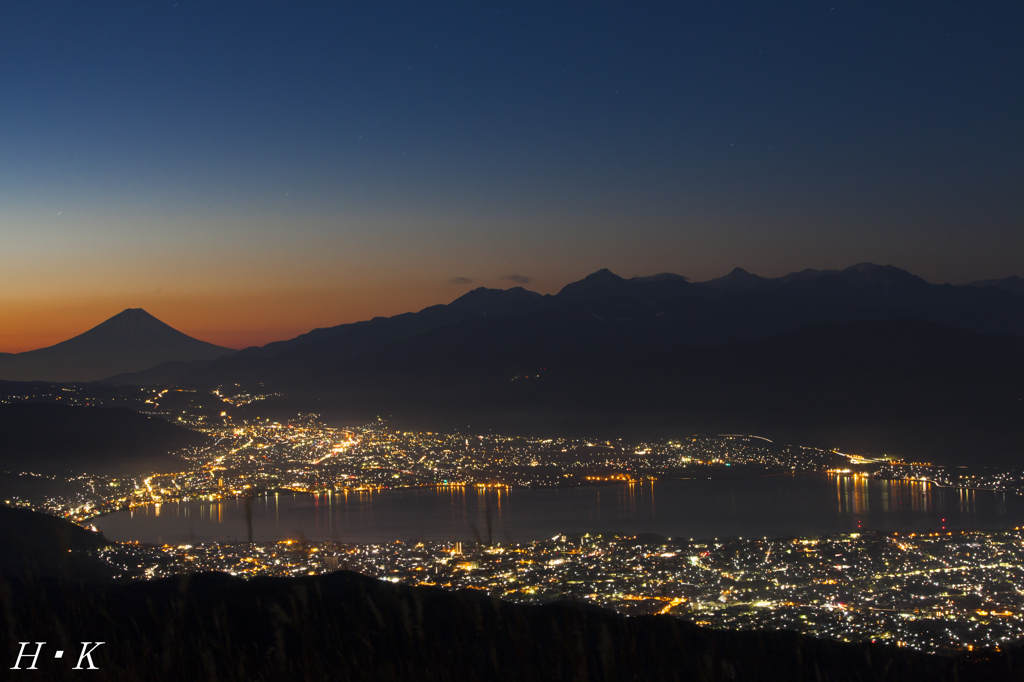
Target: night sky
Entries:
(248, 171)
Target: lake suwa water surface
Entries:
(773, 506)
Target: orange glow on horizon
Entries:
(234, 320)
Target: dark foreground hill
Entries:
(131, 341)
(37, 545)
(61, 439)
(345, 626)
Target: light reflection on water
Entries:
(774, 506)
(856, 494)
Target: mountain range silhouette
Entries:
(870, 358)
(605, 313)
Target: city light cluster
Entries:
(927, 591)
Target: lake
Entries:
(773, 506)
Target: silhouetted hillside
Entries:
(348, 627)
(903, 387)
(631, 315)
(37, 545)
(301, 354)
(131, 341)
(62, 439)
(166, 374)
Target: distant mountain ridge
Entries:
(1013, 284)
(131, 341)
(607, 313)
(871, 357)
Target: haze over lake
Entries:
(773, 506)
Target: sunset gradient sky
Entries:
(247, 171)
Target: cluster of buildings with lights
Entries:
(927, 591)
(932, 592)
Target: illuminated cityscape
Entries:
(254, 456)
(249, 457)
(932, 591)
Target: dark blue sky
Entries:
(321, 163)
